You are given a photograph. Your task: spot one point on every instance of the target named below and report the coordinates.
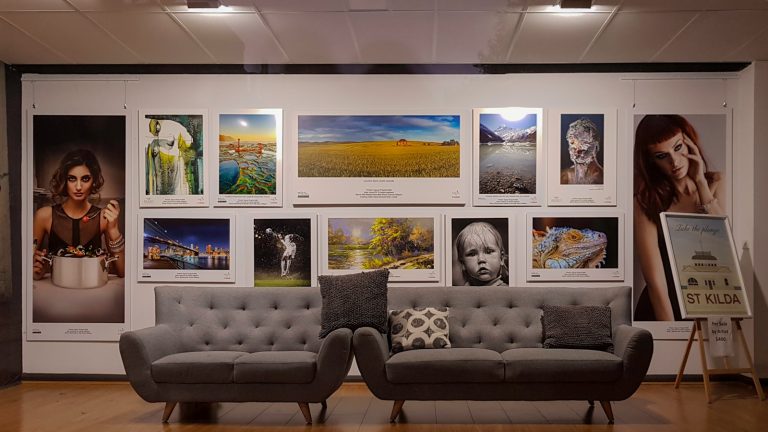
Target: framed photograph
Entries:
(705, 266)
(284, 250)
(249, 159)
(172, 149)
(582, 158)
(379, 159)
(661, 143)
(186, 248)
(575, 246)
(76, 202)
(407, 243)
(479, 249)
(507, 156)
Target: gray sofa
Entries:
(236, 345)
(497, 354)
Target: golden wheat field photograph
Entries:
(370, 146)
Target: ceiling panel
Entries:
(301, 5)
(636, 37)
(155, 37)
(117, 5)
(234, 38)
(482, 37)
(72, 35)
(756, 49)
(18, 48)
(394, 37)
(314, 37)
(406, 5)
(481, 5)
(34, 5)
(555, 38)
(690, 5)
(714, 35)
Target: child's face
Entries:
(482, 261)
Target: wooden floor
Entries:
(114, 407)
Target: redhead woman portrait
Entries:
(671, 174)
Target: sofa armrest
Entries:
(371, 352)
(139, 349)
(635, 347)
(335, 357)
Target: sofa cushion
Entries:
(579, 326)
(196, 367)
(468, 365)
(419, 328)
(560, 365)
(290, 367)
(353, 301)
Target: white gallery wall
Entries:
(403, 94)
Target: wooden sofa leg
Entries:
(169, 406)
(591, 403)
(608, 410)
(324, 404)
(396, 408)
(304, 407)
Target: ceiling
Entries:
(82, 32)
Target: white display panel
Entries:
(384, 158)
(407, 242)
(480, 248)
(575, 246)
(507, 156)
(247, 166)
(581, 158)
(193, 247)
(173, 146)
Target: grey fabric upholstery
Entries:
(561, 365)
(445, 365)
(276, 367)
(214, 325)
(507, 321)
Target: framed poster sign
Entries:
(76, 202)
(705, 265)
(172, 149)
(379, 159)
(575, 247)
(507, 156)
(186, 248)
(478, 249)
(582, 158)
(408, 244)
(249, 159)
(284, 250)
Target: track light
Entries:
(575, 4)
(203, 4)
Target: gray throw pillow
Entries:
(353, 301)
(578, 327)
(419, 328)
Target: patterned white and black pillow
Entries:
(419, 328)
(577, 327)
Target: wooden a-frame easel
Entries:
(706, 371)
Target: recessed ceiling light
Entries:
(203, 4)
(575, 4)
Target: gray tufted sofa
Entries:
(236, 345)
(497, 353)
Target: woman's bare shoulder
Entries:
(44, 213)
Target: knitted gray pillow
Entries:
(353, 301)
(419, 328)
(579, 327)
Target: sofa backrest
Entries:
(241, 319)
(501, 318)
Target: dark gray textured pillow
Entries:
(579, 327)
(419, 328)
(353, 301)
